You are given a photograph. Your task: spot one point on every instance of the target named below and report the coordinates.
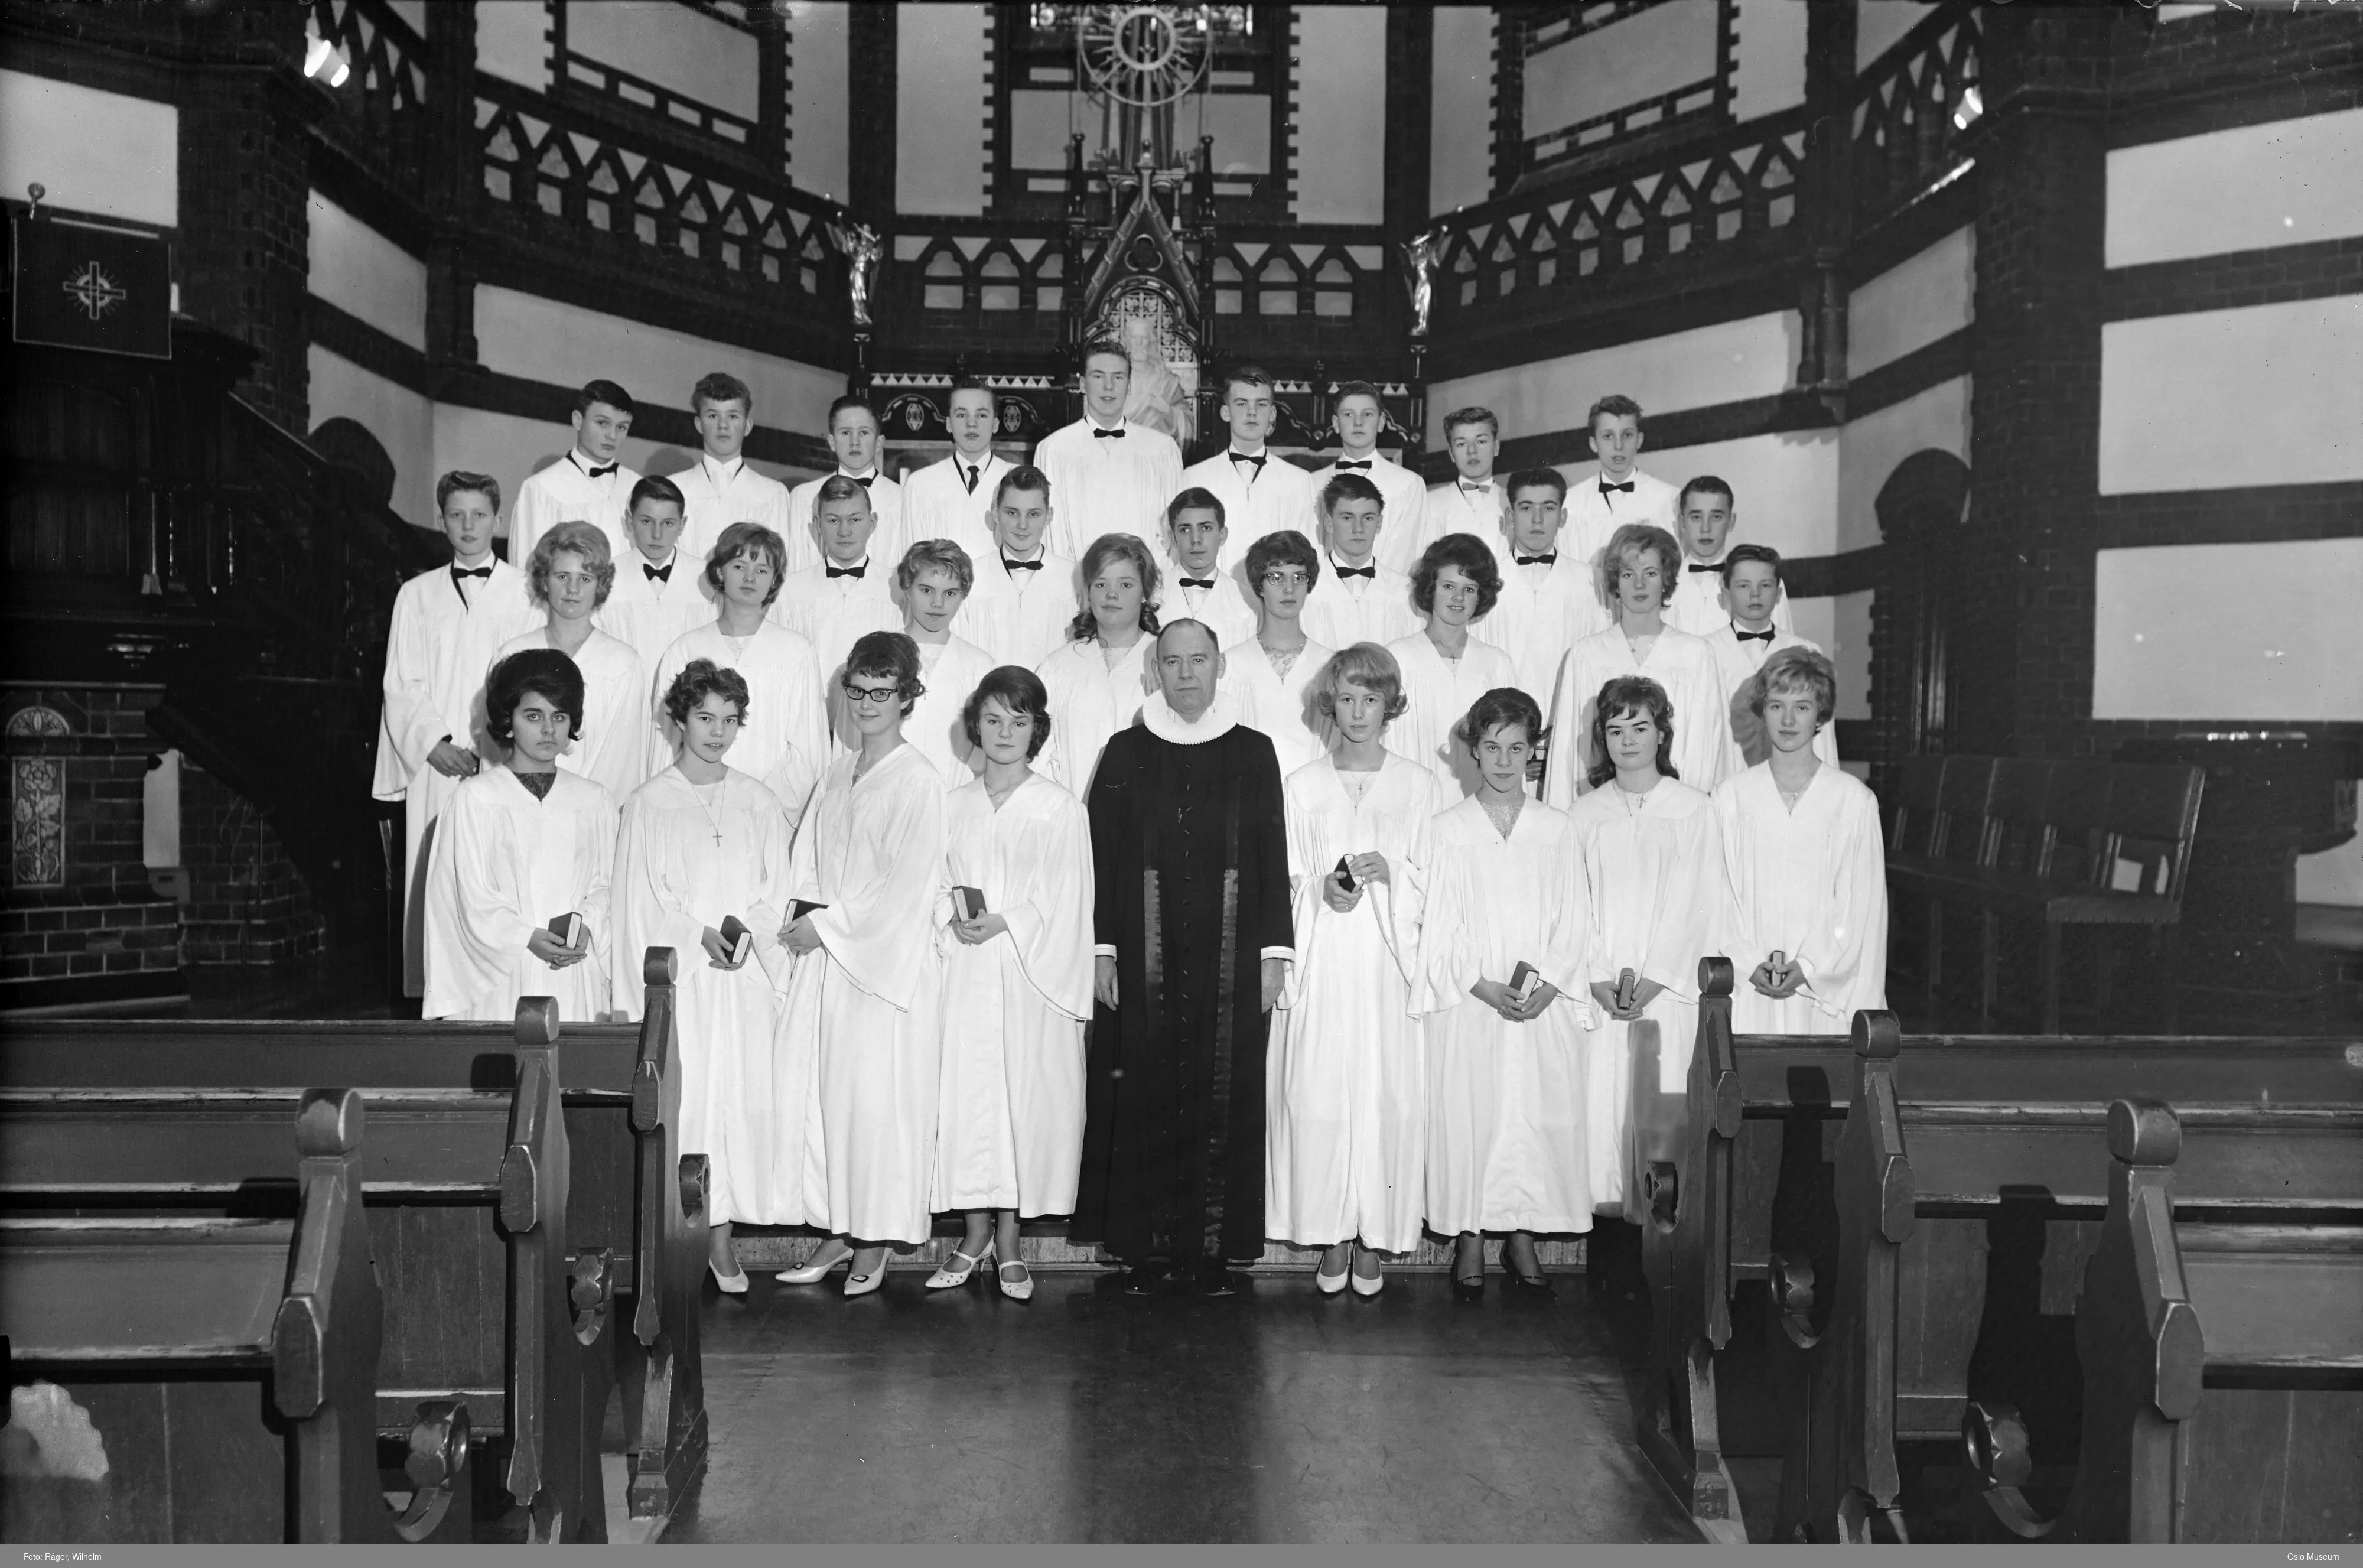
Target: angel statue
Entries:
(1422, 256)
(862, 249)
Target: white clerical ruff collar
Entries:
(1156, 715)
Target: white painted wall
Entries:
(1872, 446)
(940, 107)
(102, 153)
(1880, 23)
(2228, 632)
(1649, 53)
(700, 57)
(1240, 124)
(1784, 487)
(2333, 876)
(1723, 363)
(1912, 304)
(2249, 188)
(402, 420)
(819, 57)
(1769, 72)
(2210, 400)
(512, 42)
(1339, 73)
(364, 273)
(1460, 124)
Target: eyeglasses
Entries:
(880, 695)
(1278, 578)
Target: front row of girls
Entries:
(863, 1046)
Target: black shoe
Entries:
(1535, 1286)
(1215, 1280)
(1144, 1279)
(1472, 1290)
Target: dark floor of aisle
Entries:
(1086, 1415)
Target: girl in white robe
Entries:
(1346, 1089)
(1653, 867)
(520, 846)
(1507, 1124)
(1270, 678)
(1017, 988)
(702, 843)
(1808, 867)
(1444, 668)
(934, 580)
(859, 1042)
(570, 574)
(1098, 680)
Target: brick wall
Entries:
(246, 903)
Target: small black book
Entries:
(736, 939)
(969, 902)
(568, 930)
(800, 908)
(1344, 874)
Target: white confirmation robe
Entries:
(1507, 1118)
(1342, 611)
(784, 738)
(1543, 612)
(1812, 886)
(1021, 617)
(1440, 692)
(1345, 1080)
(1279, 704)
(859, 1049)
(617, 733)
(937, 503)
(1091, 699)
(1683, 666)
(951, 671)
(505, 865)
(1738, 662)
(1010, 1126)
(673, 881)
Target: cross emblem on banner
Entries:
(96, 292)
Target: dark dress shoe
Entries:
(1215, 1280)
(1471, 1290)
(1143, 1280)
(1535, 1287)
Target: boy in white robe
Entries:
(445, 625)
(853, 438)
(1197, 539)
(1359, 599)
(1807, 865)
(1550, 597)
(1446, 667)
(570, 575)
(1016, 988)
(1261, 491)
(848, 594)
(1345, 1082)
(1024, 596)
(1508, 1140)
(1752, 591)
(1359, 419)
(522, 846)
(783, 738)
(701, 844)
(1618, 492)
(722, 487)
(933, 581)
(1707, 516)
(1110, 473)
(953, 499)
(589, 483)
(1653, 866)
(1472, 503)
(1271, 676)
(860, 1041)
(1639, 569)
(659, 590)
(1101, 675)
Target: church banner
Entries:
(79, 286)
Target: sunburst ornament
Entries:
(1144, 55)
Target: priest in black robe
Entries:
(1190, 850)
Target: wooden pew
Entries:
(636, 1206)
(499, 1321)
(2211, 1354)
(252, 1342)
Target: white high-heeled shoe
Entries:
(1369, 1287)
(947, 1278)
(1015, 1289)
(729, 1285)
(824, 1263)
(862, 1285)
(1330, 1285)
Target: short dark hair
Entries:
(1637, 693)
(1245, 375)
(1471, 416)
(1350, 488)
(1763, 553)
(1105, 345)
(841, 487)
(1020, 690)
(539, 672)
(1367, 665)
(889, 653)
(1640, 535)
(605, 392)
(1197, 499)
(940, 553)
(1793, 667)
(719, 386)
(1084, 628)
(657, 487)
(744, 538)
(1548, 478)
(1282, 547)
(1616, 406)
(700, 679)
(1473, 557)
(1025, 477)
(1503, 705)
(1358, 389)
(839, 404)
(1710, 485)
(460, 479)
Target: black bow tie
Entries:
(1255, 458)
(1549, 560)
(459, 572)
(1370, 571)
(1009, 565)
(600, 471)
(1694, 566)
(848, 570)
(1472, 489)
(971, 477)
(1197, 582)
(862, 479)
(1764, 636)
(658, 573)
(1100, 435)
(1605, 487)
(1343, 465)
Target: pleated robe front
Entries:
(618, 739)
(1440, 692)
(503, 866)
(1280, 706)
(1507, 1122)
(1654, 874)
(1811, 885)
(1345, 1083)
(859, 1052)
(673, 881)
(1010, 1117)
(1091, 699)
